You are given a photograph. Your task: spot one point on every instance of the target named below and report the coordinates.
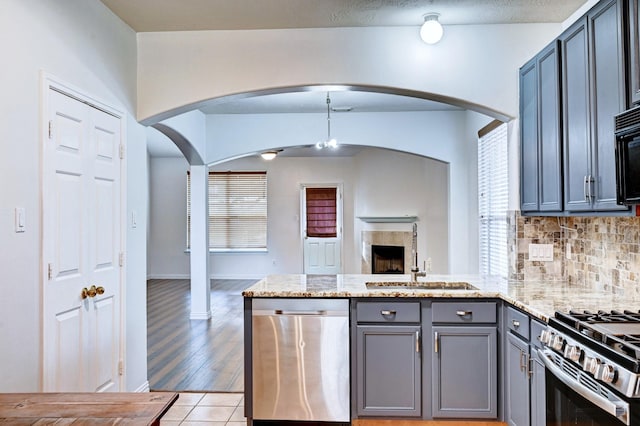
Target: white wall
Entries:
(83, 44)
(474, 63)
(372, 180)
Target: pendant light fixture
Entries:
(330, 142)
(431, 31)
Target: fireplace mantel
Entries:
(388, 219)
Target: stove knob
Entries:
(572, 352)
(591, 365)
(606, 373)
(557, 342)
(545, 337)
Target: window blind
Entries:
(493, 200)
(237, 210)
(321, 212)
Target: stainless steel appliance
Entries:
(300, 359)
(592, 362)
(627, 131)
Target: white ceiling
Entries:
(190, 15)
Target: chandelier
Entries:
(329, 142)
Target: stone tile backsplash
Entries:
(600, 250)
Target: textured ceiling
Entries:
(186, 15)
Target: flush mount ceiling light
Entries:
(330, 142)
(431, 31)
(269, 155)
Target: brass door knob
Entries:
(92, 291)
(100, 290)
(84, 293)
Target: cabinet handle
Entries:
(590, 187)
(463, 313)
(530, 364)
(516, 324)
(435, 342)
(417, 341)
(584, 189)
(387, 313)
(522, 366)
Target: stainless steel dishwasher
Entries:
(300, 359)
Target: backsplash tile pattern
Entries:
(594, 250)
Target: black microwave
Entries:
(627, 125)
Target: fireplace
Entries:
(387, 259)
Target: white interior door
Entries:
(81, 248)
(322, 255)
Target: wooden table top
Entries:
(78, 409)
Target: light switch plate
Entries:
(21, 218)
(541, 252)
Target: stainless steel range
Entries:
(593, 368)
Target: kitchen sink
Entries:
(421, 285)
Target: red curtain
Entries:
(321, 212)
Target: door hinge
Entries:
(50, 271)
(50, 129)
(121, 152)
(121, 259)
(120, 368)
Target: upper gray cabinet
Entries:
(593, 91)
(541, 148)
(633, 41)
(569, 94)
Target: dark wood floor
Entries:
(198, 355)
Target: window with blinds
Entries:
(493, 198)
(321, 212)
(237, 210)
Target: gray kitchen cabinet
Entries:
(388, 361)
(593, 91)
(540, 133)
(517, 390)
(633, 41)
(524, 373)
(464, 361)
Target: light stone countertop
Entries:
(540, 299)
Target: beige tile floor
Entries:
(206, 409)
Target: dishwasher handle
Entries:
(299, 313)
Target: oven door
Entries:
(575, 398)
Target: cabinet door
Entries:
(608, 98)
(633, 40)
(529, 137)
(517, 391)
(576, 116)
(538, 398)
(550, 146)
(464, 371)
(388, 371)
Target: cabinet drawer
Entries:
(386, 312)
(464, 312)
(536, 328)
(518, 322)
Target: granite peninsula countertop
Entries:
(540, 299)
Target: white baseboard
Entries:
(143, 388)
(200, 315)
(168, 276)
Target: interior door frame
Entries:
(50, 82)
(339, 219)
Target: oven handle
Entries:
(618, 409)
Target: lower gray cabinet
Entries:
(464, 372)
(525, 399)
(517, 390)
(388, 370)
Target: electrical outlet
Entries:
(568, 253)
(541, 252)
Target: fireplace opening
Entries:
(387, 259)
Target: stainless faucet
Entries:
(415, 271)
